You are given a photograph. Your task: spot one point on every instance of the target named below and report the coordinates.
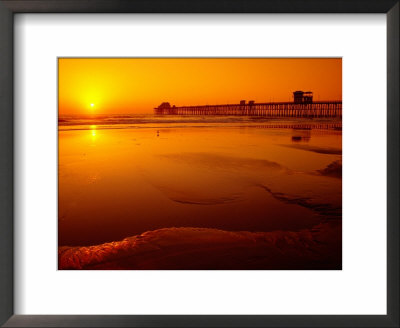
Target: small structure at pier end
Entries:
(165, 105)
(301, 97)
(303, 105)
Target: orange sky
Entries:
(137, 85)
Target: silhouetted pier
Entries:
(302, 106)
(278, 109)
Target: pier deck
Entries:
(316, 109)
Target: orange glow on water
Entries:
(137, 85)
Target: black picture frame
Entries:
(10, 7)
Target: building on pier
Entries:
(301, 97)
(165, 105)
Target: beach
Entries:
(148, 192)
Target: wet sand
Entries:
(205, 193)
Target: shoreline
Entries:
(153, 122)
(189, 248)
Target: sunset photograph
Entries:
(199, 163)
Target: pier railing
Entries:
(272, 109)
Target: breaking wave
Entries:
(334, 170)
(203, 248)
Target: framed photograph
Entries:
(203, 164)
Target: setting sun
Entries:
(137, 85)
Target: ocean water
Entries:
(123, 175)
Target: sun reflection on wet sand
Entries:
(93, 131)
